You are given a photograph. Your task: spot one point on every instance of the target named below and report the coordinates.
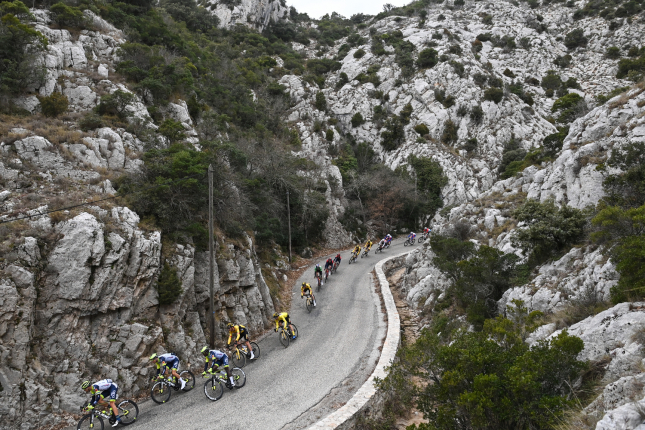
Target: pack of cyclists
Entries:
(105, 392)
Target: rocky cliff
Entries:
(80, 296)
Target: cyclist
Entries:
(242, 334)
(381, 244)
(318, 271)
(368, 244)
(337, 260)
(305, 290)
(284, 317)
(426, 232)
(100, 390)
(412, 236)
(218, 359)
(329, 264)
(167, 362)
(357, 250)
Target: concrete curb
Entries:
(390, 346)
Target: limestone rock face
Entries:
(254, 13)
(97, 312)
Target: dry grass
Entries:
(56, 130)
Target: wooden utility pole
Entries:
(289, 222)
(211, 257)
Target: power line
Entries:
(94, 201)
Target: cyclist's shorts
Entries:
(288, 318)
(223, 362)
(173, 364)
(110, 393)
(244, 334)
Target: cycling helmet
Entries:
(205, 351)
(317, 265)
(304, 283)
(275, 315)
(153, 356)
(85, 385)
(230, 325)
(337, 255)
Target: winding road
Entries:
(290, 388)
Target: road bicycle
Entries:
(379, 249)
(128, 411)
(409, 241)
(319, 279)
(161, 390)
(286, 335)
(364, 254)
(240, 353)
(214, 386)
(423, 237)
(309, 303)
(353, 258)
(326, 274)
(336, 263)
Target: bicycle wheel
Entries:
(160, 392)
(239, 377)
(90, 422)
(284, 338)
(213, 389)
(406, 243)
(129, 411)
(188, 376)
(239, 359)
(256, 350)
(310, 306)
(295, 330)
(319, 283)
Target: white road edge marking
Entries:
(390, 346)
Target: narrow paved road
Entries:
(285, 387)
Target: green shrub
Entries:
(321, 101)
(490, 378)
(632, 68)
(68, 16)
(449, 134)
(550, 230)
(173, 130)
(551, 81)
(20, 45)
(494, 95)
(90, 121)
(624, 229)
(53, 105)
(329, 135)
(342, 80)
(394, 135)
(477, 114)
(511, 155)
(428, 58)
(626, 189)
(360, 53)
(552, 144)
(168, 285)
(422, 129)
(563, 61)
(613, 53)
(405, 113)
(575, 39)
(116, 104)
(570, 106)
(357, 120)
(470, 145)
(487, 20)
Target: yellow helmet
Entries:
(276, 315)
(84, 385)
(153, 356)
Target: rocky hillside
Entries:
(473, 106)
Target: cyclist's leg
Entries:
(113, 397)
